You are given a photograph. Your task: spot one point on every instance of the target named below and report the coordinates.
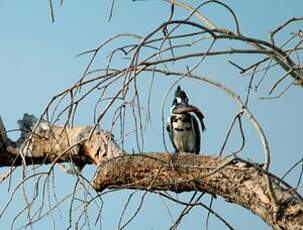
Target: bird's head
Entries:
(181, 106)
(180, 99)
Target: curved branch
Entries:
(237, 182)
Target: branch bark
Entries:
(237, 182)
(42, 143)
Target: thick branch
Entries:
(237, 182)
(42, 143)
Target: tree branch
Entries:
(238, 182)
(43, 143)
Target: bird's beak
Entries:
(190, 108)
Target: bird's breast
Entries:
(183, 132)
(181, 122)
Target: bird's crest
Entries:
(180, 93)
(180, 97)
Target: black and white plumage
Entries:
(182, 126)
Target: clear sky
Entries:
(38, 59)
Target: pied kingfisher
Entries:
(182, 126)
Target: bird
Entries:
(182, 126)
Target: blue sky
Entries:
(38, 59)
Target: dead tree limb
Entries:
(237, 182)
(43, 143)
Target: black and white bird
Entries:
(182, 126)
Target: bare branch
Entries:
(239, 183)
(41, 143)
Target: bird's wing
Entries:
(197, 133)
(200, 116)
(169, 129)
(203, 126)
